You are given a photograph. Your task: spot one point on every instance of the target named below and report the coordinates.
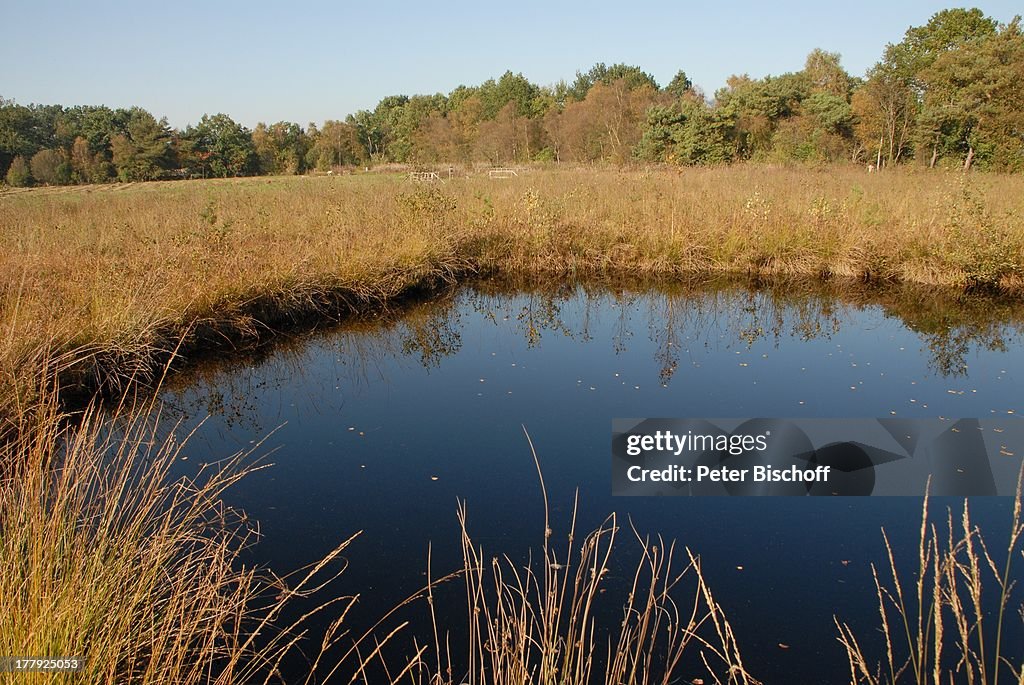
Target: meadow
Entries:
(101, 287)
(102, 282)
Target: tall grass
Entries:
(560, 620)
(106, 557)
(114, 276)
(110, 556)
(950, 622)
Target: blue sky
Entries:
(311, 61)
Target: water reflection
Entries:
(386, 422)
(676, 320)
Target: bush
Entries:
(18, 174)
(51, 167)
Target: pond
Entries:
(383, 425)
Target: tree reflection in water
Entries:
(677, 319)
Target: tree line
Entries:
(950, 93)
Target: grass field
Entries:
(105, 279)
(100, 285)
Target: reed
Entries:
(109, 555)
(557, 619)
(106, 556)
(948, 623)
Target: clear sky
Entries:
(311, 61)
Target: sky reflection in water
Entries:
(383, 425)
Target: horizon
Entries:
(261, 68)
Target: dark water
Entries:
(383, 426)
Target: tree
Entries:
(50, 167)
(605, 126)
(890, 105)
(822, 130)
(416, 111)
(505, 138)
(687, 132)
(144, 151)
(758, 106)
(87, 167)
(334, 144)
(388, 115)
(25, 130)
(972, 100)
(634, 77)
(886, 109)
(510, 88)
(464, 116)
(826, 75)
(945, 31)
(221, 146)
(368, 132)
(437, 140)
(680, 85)
(18, 174)
(281, 148)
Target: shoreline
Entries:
(196, 269)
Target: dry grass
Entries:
(104, 556)
(560, 620)
(949, 623)
(107, 279)
(107, 556)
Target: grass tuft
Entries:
(954, 625)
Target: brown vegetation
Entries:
(102, 282)
(108, 556)
(943, 627)
(103, 285)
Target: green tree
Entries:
(634, 77)
(18, 173)
(387, 130)
(680, 85)
(222, 147)
(687, 132)
(144, 152)
(334, 144)
(281, 148)
(945, 31)
(822, 130)
(890, 106)
(510, 88)
(369, 132)
(25, 130)
(973, 96)
(758, 106)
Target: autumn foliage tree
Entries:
(949, 94)
(18, 174)
(605, 126)
(336, 143)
